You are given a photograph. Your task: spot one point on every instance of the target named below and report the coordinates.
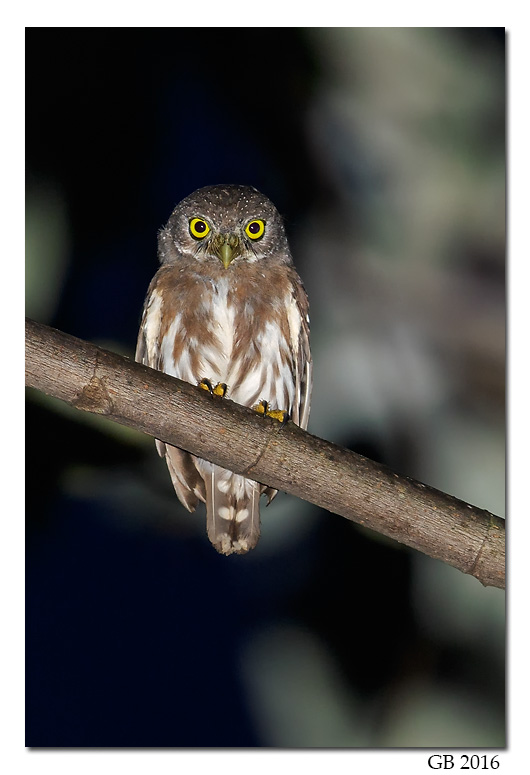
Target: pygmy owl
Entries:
(227, 311)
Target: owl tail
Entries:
(232, 511)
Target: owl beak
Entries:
(226, 254)
(228, 249)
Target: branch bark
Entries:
(284, 457)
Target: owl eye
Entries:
(198, 228)
(255, 229)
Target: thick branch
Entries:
(284, 457)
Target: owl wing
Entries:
(299, 326)
(298, 313)
(304, 375)
(187, 482)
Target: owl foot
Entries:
(277, 414)
(219, 390)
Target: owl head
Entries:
(226, 225)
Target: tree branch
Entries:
(284, 457)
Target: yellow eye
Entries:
(198, 228)
(255, 229)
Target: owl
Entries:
(228, 312)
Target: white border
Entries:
(14, 757)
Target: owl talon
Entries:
(219, 390)
(205, 384)
(277, 414)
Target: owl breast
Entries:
(234, 335)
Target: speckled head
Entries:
(227, 223)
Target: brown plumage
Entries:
(228, 306)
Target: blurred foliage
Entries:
(47, 251)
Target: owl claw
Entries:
(205, 384)
(219, 390)
(277, 414)
(261, 408)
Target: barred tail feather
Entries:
(232, 511)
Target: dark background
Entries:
(384, 150)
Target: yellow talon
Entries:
(219, 390)
(277, 414)
(205, 384)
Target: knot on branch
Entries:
(95, 397)
(492, 546)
